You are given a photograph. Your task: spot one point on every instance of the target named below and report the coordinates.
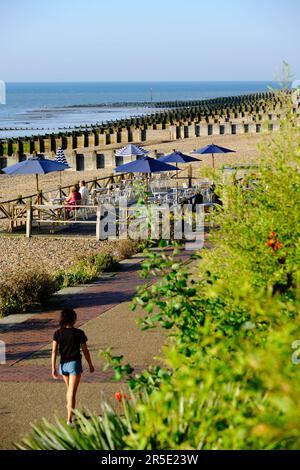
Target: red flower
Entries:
(273, 242)
(121, 396)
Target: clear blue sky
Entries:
(120, 40)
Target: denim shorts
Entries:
(71, 368)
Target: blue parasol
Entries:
(36, 165)
(213, 149)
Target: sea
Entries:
(39, 108)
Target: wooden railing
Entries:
(12, 210)
(59, 215)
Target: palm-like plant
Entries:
(105, 432)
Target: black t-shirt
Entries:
(69, 341)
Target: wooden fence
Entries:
(13, 210)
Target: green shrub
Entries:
(23, 289)
(126, 248)
(86, 269)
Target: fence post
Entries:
(28, 221)
(40, 197)
(190, 176)
(98, 223)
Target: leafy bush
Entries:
(23, 289)
(126, 248)
(86, 269)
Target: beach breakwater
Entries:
(94, 147)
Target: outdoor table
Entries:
(160, 192)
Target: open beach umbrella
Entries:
(144, 165)
(131, 150)
(61, 158)
(213, 149)
(178, 157)
(34, 166)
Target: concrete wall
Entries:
(158, 135)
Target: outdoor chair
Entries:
(72, 209)
(85, 211)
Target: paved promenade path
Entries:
(27, 390)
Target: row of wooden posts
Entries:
(236, 124)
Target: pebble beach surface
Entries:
(19, 254)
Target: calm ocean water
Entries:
(46, 107)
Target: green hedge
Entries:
(22, 290)
(86, 270)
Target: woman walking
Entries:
(69, 340)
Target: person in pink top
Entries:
(74, 198)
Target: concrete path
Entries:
(27, 390)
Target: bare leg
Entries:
(71, 394)
(66, 380)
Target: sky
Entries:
(148, 40)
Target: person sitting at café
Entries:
(84, 193)
(74, 198)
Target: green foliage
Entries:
(89, 433)
(232, 395)
(233, 384)
(86, 269)
(147, 380)
(126, 248)
(114, 362)
(22, 290)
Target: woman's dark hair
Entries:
(67, 317)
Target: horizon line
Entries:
(144, 81)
